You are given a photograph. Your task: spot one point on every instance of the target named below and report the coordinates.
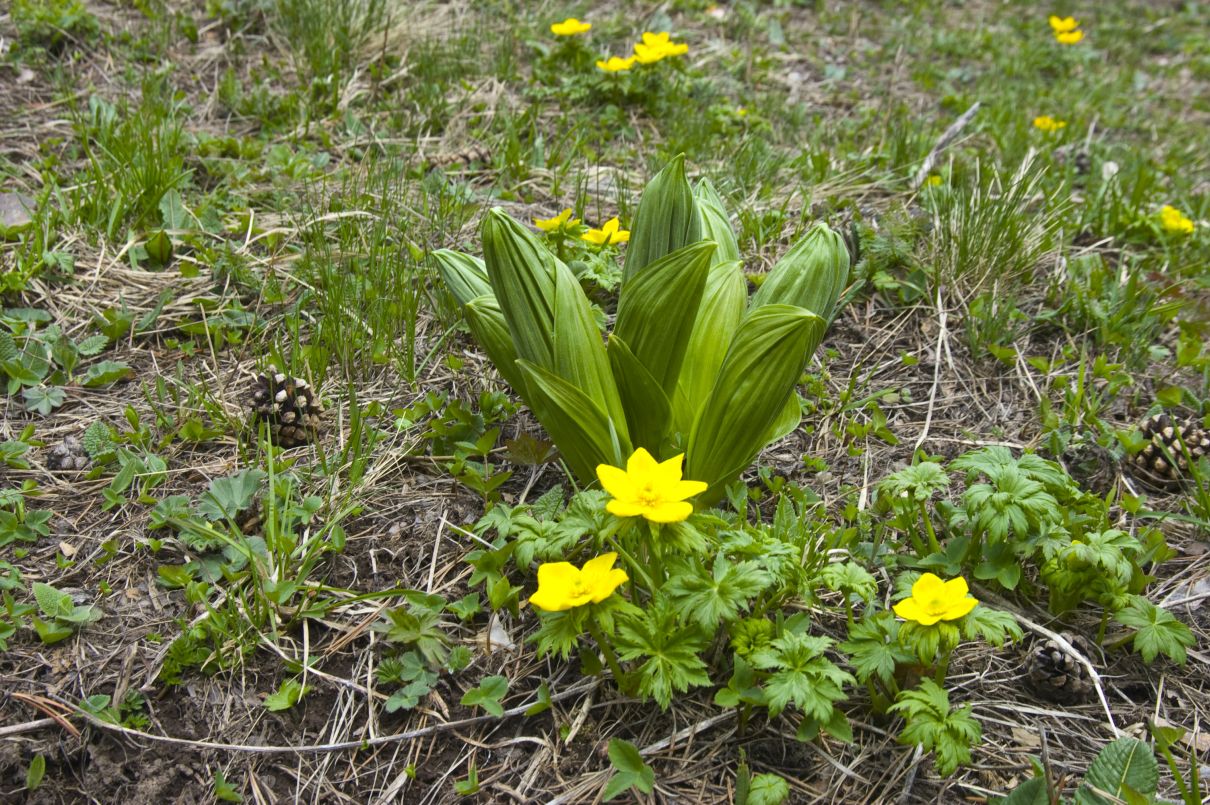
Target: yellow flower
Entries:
(658, 46)
(936, 600)
(562, 585)
(569, 27)
(1173, 220)
(615, 64)
(561, 221)
(1069, 37)
(649, 488)
(608, 233)
(1048, 124)
(1063, 25)
(934, 180)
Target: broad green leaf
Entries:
(758, 375)
(1031, 792)
(788, 418)
(724, 300)
(579, 350)
(464, 275)
(585, 435)
(657, 309)
(1126, 765)
(486, 320)
(488, 695)
(35, 773)
(106, 372)
(811, 275)
(52, 602)
(667, 219)
(632, 771)
(646, 405)
(715, 224)
(286, 696)
(522, 273)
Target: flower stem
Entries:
(631, 563)
(934, 546)
(943, 666)
(620, 677)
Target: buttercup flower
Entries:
(569, 27)
(1048, 124)
(561, 221)
(934, 180)
(563, 586)
(1069, 37)
(608, 233)
(1173, 220)
(1063, 25)
(936, 600)
(649, 488)
(658, 46)
(615, 64)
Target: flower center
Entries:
(648, 495)
(936, 605)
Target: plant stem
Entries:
(943, 666)
(631, 563)
(934, 546)
(1102, 627)
(619, 676)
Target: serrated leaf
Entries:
(1157, 631)
(228, 496)
(97, 440)
(43, 399)
(1030, 792)
(93, 345)
(1124, 765)
(53, 603)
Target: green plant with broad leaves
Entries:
(691, 365)
(1124, 771)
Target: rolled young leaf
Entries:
(464, 275)
(759, 374)
(647, 408)
(548, 315)
(716, 226)
(667, 218)
(657, 308)
(724, 300)
(581, 430)
(811, 275)
(487, 324)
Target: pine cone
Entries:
(68, 454)
(288, 405)
(1056, 675)
(1162, 464)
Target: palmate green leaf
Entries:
(464, 275)
(670, 652)
(657, 309)
(762, 366)
(585, 435)
(873, 647)
(647, 408)
(804, 677)
(994, 625)
(489, 695)
(811, 275)
(710, 598)
(667, 219)
(1157, 631)
(1124, 767)
(949, 734)
(228, 496)
(288, 694)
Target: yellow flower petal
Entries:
(955, 588)
(615, 64)
(1062, 25)
(624, 508)
(960, 609)
(670, 512)
(561, 221)
(615, 481)
(687, 489)
(1069, 37)
(909, 609)
(570, 27)
(640, 462)
(927, 585)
